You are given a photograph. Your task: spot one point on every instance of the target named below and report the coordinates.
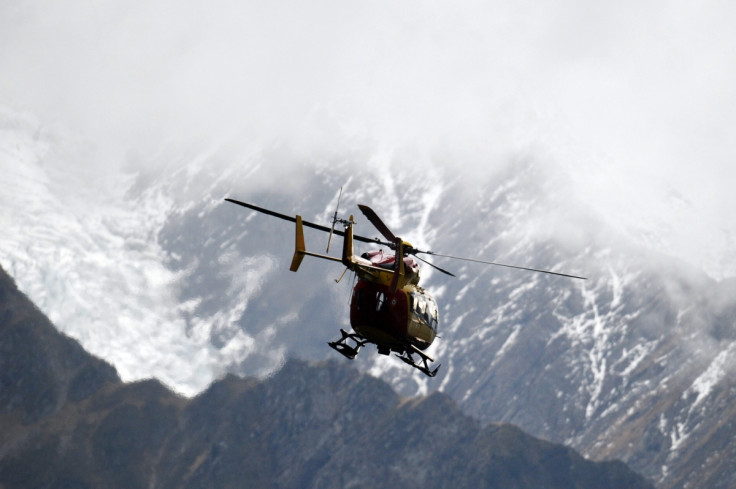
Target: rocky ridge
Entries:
(69, 421)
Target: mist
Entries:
(636, 101)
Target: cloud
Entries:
(633, 98)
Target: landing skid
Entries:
(423, 367)
(348, 350)
(344, 348)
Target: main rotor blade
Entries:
(307, 223)
(435, 266)
(377, 222)
(501, 265)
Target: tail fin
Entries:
(347, 244)
(300, 248)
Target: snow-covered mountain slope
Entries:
(630, 363)
(143, 262)
(87, 251)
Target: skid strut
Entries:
(342, 346)
(423, 367)
(345, 348)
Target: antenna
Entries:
(334, 220)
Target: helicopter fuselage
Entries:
(392, 319)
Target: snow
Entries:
(89, 259)
(718, 368)
(616, 288)
(678, 435)
(522, 289)
(633, 357)
(507, 345)
(591, 331)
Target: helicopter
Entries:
(388, 307)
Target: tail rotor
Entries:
(334, 220)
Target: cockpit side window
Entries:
(424, 308)
(433, 315)
(380, 301)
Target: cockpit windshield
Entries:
(425, 308)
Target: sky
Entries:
(637, 100)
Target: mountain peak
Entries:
(309, 424)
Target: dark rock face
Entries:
(68, 421)
(40, 369)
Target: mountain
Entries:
(634, 363)
(41, 371)
(68, 421)
(151, 270)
